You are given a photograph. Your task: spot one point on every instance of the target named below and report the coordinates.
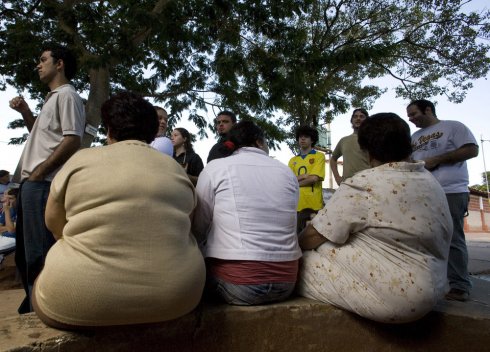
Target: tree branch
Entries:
(139, 37)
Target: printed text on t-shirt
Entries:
(424, 140)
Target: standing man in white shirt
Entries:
(55, 135)
(162, 143)
(445, 146)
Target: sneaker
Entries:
(7, 243)
(455, 294)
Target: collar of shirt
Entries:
(313, 151)
(250, 150)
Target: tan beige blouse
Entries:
(127, 255)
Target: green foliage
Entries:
(483, 186)
(484, 177)
(281, 63)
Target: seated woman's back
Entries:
(247, 214)
(250, 189)
(382, 241)
(126, 255)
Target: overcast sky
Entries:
(473, 112)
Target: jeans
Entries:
(33, 238)
(457, 268)
(248, 295)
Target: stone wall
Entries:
(296, 325)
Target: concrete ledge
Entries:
(296, 325)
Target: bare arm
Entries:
(310, 238)
(463, 153)
(307, 180)
(9, 224)
(20, 105)
(55, 217)
(68, 146)
(193, 179)
(335, 171)
(203, 212)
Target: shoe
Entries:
(455, 294)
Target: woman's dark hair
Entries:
(128, 116)
(307, 131)
(243, 134)
(386, 137)
(188, 138)
(59, 52)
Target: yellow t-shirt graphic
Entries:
(312, 163)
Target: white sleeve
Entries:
(203, 214)
(163, 145)
(462, 135)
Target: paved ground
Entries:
(479, 254)
(477, 307)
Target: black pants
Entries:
(303, 217)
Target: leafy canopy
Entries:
(281, 63)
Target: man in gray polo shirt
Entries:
(55, 135)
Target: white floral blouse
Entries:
(388, 231)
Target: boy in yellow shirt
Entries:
(309, 168)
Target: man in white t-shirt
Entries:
(161, 143)
(445, 146)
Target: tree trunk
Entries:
(98, 94)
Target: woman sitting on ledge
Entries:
(247, 213)
(121, 216)
(379, 248)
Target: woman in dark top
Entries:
(184, 153)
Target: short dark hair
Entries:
(245, 134)
(228, 113)
(59, 52)
(186, 134)
(386, 137)
(307, 131)
(363, 111)
(128, 116)
(423, 104)
(3, 173)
